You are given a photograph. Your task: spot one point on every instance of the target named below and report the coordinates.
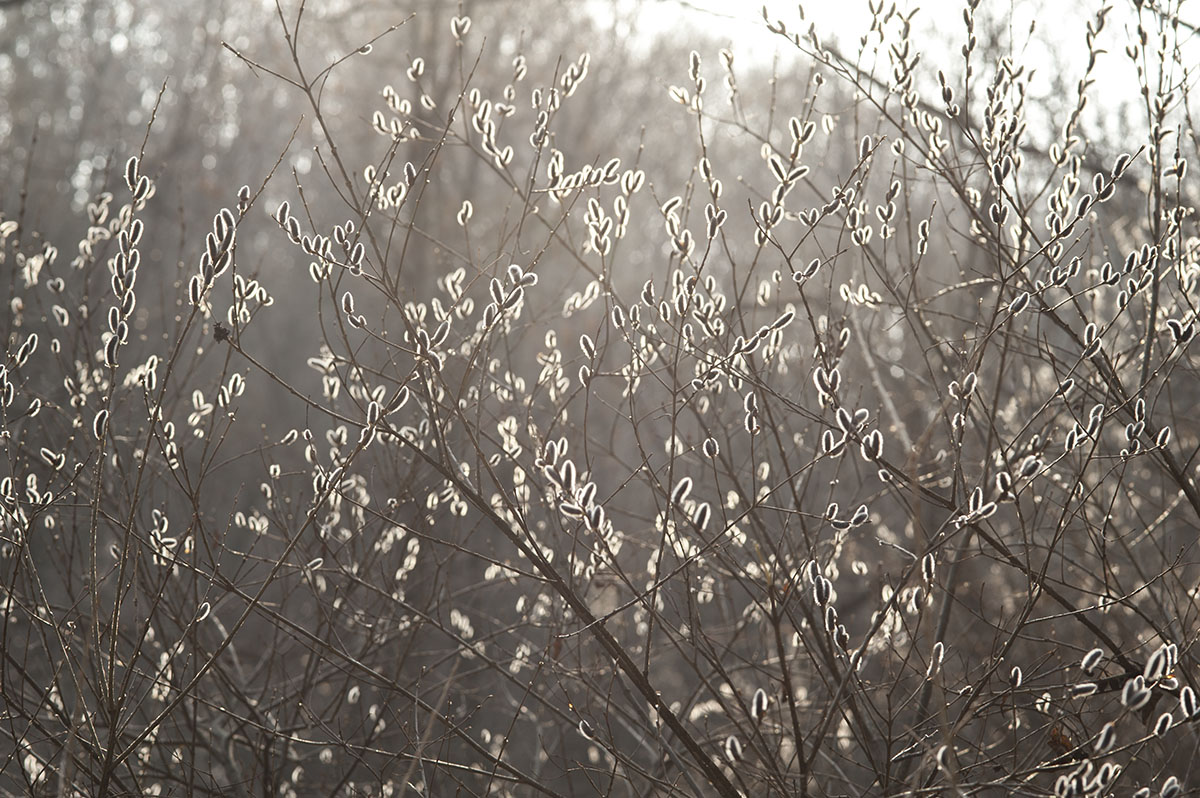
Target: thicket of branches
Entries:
(864, 467)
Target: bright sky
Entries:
(1055, 47)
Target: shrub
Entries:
(868, 471)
